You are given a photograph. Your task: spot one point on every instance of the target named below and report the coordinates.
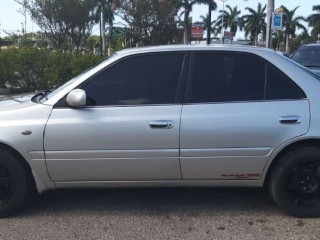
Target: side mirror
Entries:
(77, 98)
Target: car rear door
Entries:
(129, 130)
(238, 108)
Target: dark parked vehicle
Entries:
(309, 56)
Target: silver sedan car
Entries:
(177, 116)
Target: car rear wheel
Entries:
(295, 182)
(13, 183)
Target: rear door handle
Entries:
(161, 124)
(290, 120)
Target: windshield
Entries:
(308, 56)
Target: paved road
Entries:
(156, 214)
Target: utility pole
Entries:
(102, 30)
(25, 18)
(270, 9)
(23, 12)
(222, 29)
(209, 23)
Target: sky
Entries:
(11, 19)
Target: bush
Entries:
(36, 69)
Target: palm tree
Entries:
(206, 24)
(290, 24)
(254, 22)
(231, 20)
(314, 21)
(187, 6)
(182, 24)
(108, 7)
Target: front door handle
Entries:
(161, 124)
(290, 120)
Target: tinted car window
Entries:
(223, 77)
(143, 79)
(280, 86)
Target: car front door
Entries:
(128, 131)
(238, 108)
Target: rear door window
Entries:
(226, 77)
(236, 77)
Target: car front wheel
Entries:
(13, 183)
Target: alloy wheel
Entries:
(303, 184)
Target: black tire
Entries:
(13, 184)
(295, 182)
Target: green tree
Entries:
(277, 41)
(206, 24)
(153, 22)
(68, 24)
(231, 20)
(299, 40)
(291, 24)
(118, 38)
(109, 7)
(314, 21)
(187, 6)
(28, 69)
(254, 22)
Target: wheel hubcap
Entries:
(5, 185)
(304, 184)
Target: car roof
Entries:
(226, 47)
(311, 45)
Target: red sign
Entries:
(197, 31)
(228, 35)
